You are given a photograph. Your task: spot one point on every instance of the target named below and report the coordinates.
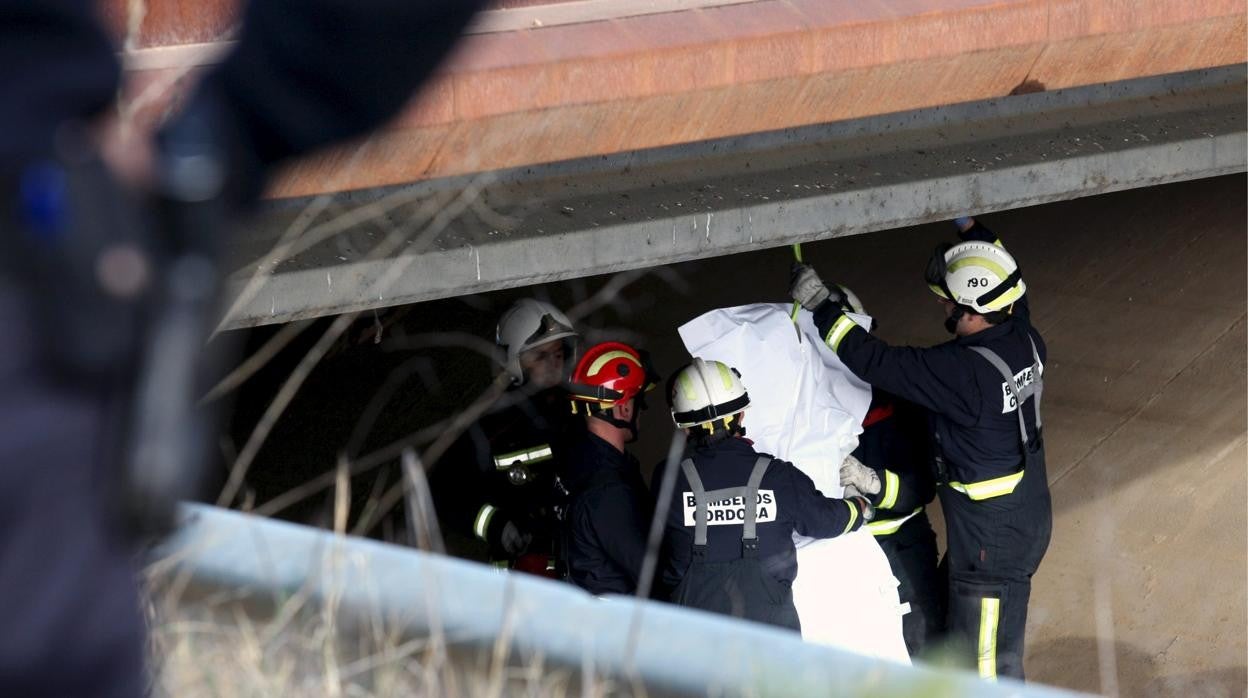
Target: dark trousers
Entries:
(995, 546)
(739, 588)
(68, 591)
(912, 554)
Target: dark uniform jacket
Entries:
(608, 517)
(788, 502)
(505, 468)
(974, 425)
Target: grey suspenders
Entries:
(1019, 393)
(749, 493)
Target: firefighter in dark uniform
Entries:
(982, 390)
(728, 539)
(499, 483)
(71, 345)
(891, 466)
(608, 512)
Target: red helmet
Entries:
(607, 373)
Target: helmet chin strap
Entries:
(951, 322)
(630, 424)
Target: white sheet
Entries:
(807, 408)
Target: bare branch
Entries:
(292, 384)
(275, 409)
(422, 520)
(441, 340)
(256, 361)
(606, 294)
(458, 425)
(657, 523)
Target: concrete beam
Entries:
(608, 79)
(601, 215)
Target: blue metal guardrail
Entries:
(666, 648)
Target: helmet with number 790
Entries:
(979, 275)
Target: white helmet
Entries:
(979, 275)
(851, 300)
(527, 324)
(706, 391)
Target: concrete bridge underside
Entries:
(570, 138)
(438, 238)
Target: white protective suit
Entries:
(807, 408)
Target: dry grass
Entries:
(218, 645)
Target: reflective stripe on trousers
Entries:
(989, 613)
(987, 489)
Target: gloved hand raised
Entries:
(807, 288)
(514, 540)
(860, 477)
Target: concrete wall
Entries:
(1141, 296)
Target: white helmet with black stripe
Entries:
(705, 392)
(530, 323)
(978, 275)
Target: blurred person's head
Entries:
(538, 340)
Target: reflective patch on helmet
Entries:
(984, 262)
(601, 361)
(1007, 298)
(687, 386)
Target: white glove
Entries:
(806, 287)
(513, 540)
(860, 477)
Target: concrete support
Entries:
(648, 208)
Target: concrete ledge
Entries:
(659, 207)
